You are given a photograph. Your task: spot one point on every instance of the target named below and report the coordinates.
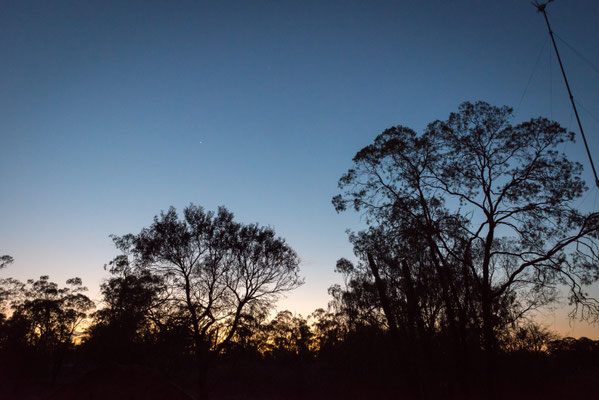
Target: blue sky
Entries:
(113, 111)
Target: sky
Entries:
(111, 111)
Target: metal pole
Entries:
(541, 8)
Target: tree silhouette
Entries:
(529, 337)
(214, 269)
(52, 312)
(289, 335)
(6, 288)
(5, 260)
(43, 324)
(490, 207)
(328, 330)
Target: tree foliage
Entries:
(214, 269)
(471, 224)
(477, 194)
(39, 323)
(52, 314)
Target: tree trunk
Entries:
(420, 350)
(385, 303)
(489, 341)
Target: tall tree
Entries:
(214, 268)
(493, 204)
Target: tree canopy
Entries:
(472, 222)
(215, 270)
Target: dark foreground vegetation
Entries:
(471, 226)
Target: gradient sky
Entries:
(113, 111)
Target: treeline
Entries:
(471, 226)
(52, 337)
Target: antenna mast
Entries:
(541, 8)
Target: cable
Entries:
(570, 122)
(534, 69)
(589, 62)
(587, 110)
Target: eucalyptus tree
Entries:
(490, 204)
(53, 314)
(214, 269)
(44, 324)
